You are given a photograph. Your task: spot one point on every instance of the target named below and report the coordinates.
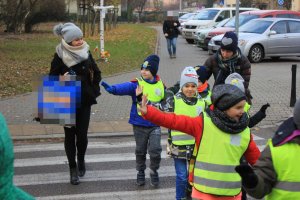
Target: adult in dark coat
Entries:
(170, 29)
(227, 60)
(73, 57)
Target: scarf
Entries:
(72, 55)
(226, 66)
(227, 124)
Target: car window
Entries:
(280, 27)
(294, 26)
(268, 16)
(223, 15)
(242, 20)
(295, 16)
(283, 16)
(186, 16)
(206, 14)
(255, 26)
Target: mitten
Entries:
(107, 87)
(264, 108)
(249, 178)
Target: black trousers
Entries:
(76, 140)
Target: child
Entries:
(276, 173)
(73, 57)
(147, 135)
(181, 145)
(237, 80)
(203, 86)
(222, 137)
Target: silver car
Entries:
(266, 37)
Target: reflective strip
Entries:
(215, 167)
(217, 184)
(182, 137)
(288, 186)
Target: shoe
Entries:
(174, 56)
(81, 168)
(171, 56)
(74, 179)
(154, 179)
(140, 178)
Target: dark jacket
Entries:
(242, 66)
(170, 28)
(264, 168)
(87, 71)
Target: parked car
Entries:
(267, 37)
(184, 18)
(206, 18)
(201, 34)
(244, 17)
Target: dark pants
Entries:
(76, 136)
(147, 139)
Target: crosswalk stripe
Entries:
(168, 193)
(99, 175)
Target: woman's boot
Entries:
(81, 168)
(74, 179)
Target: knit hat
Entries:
(151, 63)
(225, 96)
(188, 75)
(297, 113)
(201, 72)
(68, 31)
(237, 80)
(229, 41)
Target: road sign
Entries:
(280, 2)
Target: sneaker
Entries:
(154, 179)
(140, 178)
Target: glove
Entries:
(107, 87)
(264, 108)
(249, 178)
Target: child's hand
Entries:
(143, 107)
(166, 34)
(175, 24)
(107, 87)
(139, 90)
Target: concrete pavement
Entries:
(270, 82)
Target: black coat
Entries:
(87, 71)
(170, 29)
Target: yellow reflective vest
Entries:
(181, 108)
(286, 164)
(218, 154)
(154, 92)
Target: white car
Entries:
(266, 37)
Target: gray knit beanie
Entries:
(68, 31)
(188, 75)
(225, 96)
(297, 113)
(235, 79)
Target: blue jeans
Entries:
(171, 44)
(181, 177)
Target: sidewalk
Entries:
(270, 82)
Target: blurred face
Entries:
(189, 89)
(235, 112)
(77, 42)
(146, 74)
(226, 54)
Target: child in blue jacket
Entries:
(147, 135)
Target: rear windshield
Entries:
(187, 16)
(255, 26)
(206, 15)
(242, 20)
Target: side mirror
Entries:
(272, 32)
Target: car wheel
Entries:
(256, 54)
(275, 58)
(190, 41)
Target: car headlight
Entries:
(242, 42)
